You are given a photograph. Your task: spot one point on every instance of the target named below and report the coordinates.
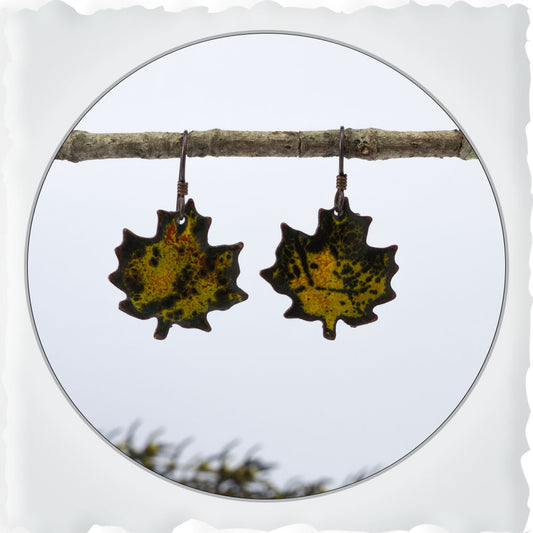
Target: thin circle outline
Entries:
(376, 58)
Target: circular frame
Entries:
(296, 34)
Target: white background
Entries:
(502, 509)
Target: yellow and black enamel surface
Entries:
(333, 275)
(176, 276)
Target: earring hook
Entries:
(183, 186)
(342, 181)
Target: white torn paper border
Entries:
(85, 7)
(196, 526)
(39, 113)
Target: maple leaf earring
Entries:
(176, 276)
(333, 275)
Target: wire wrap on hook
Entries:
(342, 182)
(342, 178)
(183, 186)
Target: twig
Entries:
(370, 144)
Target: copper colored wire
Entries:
(183, 187)
(342, 178)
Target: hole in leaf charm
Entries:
(176, 276)
(334, 274)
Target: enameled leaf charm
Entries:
(177, 276)
(333, 275)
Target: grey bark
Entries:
(369, 144)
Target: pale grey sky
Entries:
(316, 407)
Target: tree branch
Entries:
(370, 144)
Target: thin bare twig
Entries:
(369, 144)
